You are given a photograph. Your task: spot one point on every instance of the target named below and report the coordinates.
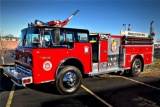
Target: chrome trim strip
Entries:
(136, 45)
(6, 75)
(109, 71)
(47, 81)
(20, 85)
(149, 64)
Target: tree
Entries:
(3, 49)
(9, 35)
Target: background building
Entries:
(9, 42)
(157, 44)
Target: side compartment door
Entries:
(103, 55)
(113, 53)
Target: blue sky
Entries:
(95, 15)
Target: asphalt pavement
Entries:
(115, 90)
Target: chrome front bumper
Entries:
(18, 78)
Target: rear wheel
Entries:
(68, 80)
(136, 67)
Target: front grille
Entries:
(23, 70)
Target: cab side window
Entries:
(66, 37)
(93, 39)
(82, 37)
(47, 39)
(62, 36)
(47, 36)
(69, 37)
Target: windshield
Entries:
(51, 37)
(29, 38)
(32, 38)
(23, 33)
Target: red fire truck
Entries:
(51, 53)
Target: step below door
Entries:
(103, 55)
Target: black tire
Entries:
(136, 67)
(68, 80)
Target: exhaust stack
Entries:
(152, 30)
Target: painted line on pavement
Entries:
(141, 83)
(138, 82)
(10, 96)
(89, 91)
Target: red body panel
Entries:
(133, 50)
(103, 51)
(145, 51)
(148, 58)
(128, 61)
(56, 56)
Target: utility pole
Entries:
(129, 29)
(124, 26)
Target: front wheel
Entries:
(136, 67)
(68, 80)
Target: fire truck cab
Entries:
(65, 55)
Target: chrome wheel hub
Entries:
(69, 79)
(137, 67)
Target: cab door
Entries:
(103, 55)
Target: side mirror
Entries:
(57, 36)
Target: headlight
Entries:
(24, 59)
(14, 56)
(29, 60)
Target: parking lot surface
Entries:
(99, 91)
(116, 91)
